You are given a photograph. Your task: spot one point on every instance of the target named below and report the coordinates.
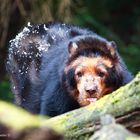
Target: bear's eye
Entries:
(79, 74)
(101, 74)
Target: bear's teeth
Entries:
(92, 99)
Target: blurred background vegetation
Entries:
(117, 20)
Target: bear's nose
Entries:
(91, 90)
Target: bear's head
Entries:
(93, 69)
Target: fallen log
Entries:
(123, 104)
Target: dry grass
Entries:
(34, 11)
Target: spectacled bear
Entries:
(55, 68)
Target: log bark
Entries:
(123, 104)
(112, 131)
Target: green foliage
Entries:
(131, 55)
(5, 93)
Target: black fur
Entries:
(37, 59)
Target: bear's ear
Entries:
(72, 47)
(112, 48)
